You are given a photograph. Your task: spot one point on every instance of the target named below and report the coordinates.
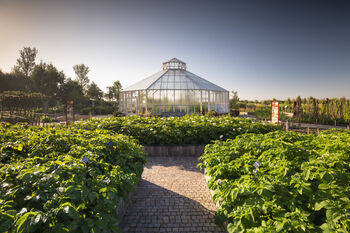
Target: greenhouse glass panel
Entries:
(173, 90)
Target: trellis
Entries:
(21, 107)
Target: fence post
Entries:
(287, 125)
(308, 130)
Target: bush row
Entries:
(190, 129)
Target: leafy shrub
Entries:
(301, 185)
(46, 119)
(185, 130)
(46, 186)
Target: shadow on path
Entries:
(172, 197)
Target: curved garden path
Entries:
(172, 196)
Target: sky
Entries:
(261, 48)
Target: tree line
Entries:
(31, 77)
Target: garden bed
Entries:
(57, 179)
(281, 181)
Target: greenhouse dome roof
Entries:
(174, 76)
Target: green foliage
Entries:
(114, 91)
(81, 72)
(25, 64)
(13, 82)
(302, 184)
(94, 92)
(46, 186)
(234, 100)
(265, 114)
(47, 79)
(185, 130)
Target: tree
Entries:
(94, 92)
(114, 91)
(334, 110)
(298, 109)
(315, 108)
(71, 90)
(347, 113)
(234, 100)
(13, 82)
(47, 79)
(341, 106)
(81, 72)
(308, 105)
(25, 64)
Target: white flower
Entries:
(23, 210)
(233, 129)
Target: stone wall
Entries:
(176, 150)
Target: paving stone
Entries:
(172, 197)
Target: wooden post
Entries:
(287, 126)
(318, 131)
(308, 130)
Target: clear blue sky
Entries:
(262, 49)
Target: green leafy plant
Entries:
(281, 181)
(190, 129)
(58, 180)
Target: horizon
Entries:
(262, 50)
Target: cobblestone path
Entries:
(172, 197)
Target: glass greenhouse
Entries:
(173, 91)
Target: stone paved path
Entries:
(172, 197)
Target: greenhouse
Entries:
(173, 91)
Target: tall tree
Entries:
(13, 82)
(315, 108)
(347, 113)
(47, 79)
(341, 106)
(234, 100)
(308, 105)
(114, 91)
(94, 92)
(298, 109)
(81, 72)
(26, 62)
(71, 90)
